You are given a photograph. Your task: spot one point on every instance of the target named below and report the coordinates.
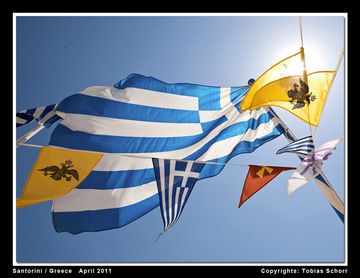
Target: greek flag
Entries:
(45, 115)
(141, 118)
(302, 146)
(175, 181)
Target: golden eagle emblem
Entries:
(57, 173)
(300, 95)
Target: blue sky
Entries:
(57, 56)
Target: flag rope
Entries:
(148, 157)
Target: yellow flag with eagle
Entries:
(287, 85)
(55, 173)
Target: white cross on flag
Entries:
(175, 181)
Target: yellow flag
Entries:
(55, 173)
(284, 85)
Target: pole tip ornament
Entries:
(251, 81)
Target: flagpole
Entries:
(29, 134)
(304, 66)
(289, 135)
(301, 34)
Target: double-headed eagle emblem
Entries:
(64, 172)
(300, 95)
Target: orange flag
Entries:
(257, 177)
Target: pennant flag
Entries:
(321, 180)
(44, 115)
(55, 173)
(257, 177)
(301, 146)
(147, 117)
(175, 181)
(287, 85)
(310, 167)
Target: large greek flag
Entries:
(145, 117)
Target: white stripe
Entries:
(38, 112)
(225, 147)
(225, 98)
(171, 186)
(296, 181)
(144, 97)
(331, 196)
(210, 115)
(20, 121)
(176, 205)
(47, 116)
(230, 111)
(117, 162)
(92, 199)
(184, 152)
(162, 185)
(330, 144)
(186, 189)
(130, 128)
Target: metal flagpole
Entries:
(29, 134)
(321, 180)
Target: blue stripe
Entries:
(299, 145)
(303, 151)
(166, 179)
(46, 111)
(321, 178)
(117, 179)
(341, 216)
(197, 167)
(231, 131)
(209, 96)
(64, 137)
(157, 176)
(95, 106)
(51, 120)
(26, 117)
(30, 111)
(302, 145)
(211, 170)
(208, 126)
(100, 220)
(237, 93)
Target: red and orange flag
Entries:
(258, 176)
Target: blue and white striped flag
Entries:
(45, 115)
(302, 146)
(144, 117)
(175, 181)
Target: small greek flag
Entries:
(175, 181)
(302, 146)
(45, 115)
